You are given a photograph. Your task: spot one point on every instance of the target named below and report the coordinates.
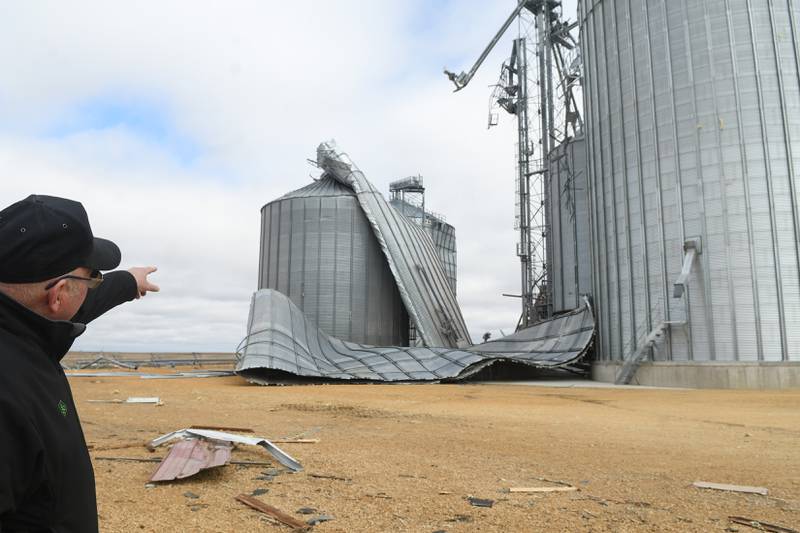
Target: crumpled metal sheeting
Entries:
(411, 254)
(223, 437)
(281, 338)
(188, 457)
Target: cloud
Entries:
(174, 122)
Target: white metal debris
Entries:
(220, 436)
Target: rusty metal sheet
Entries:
(188, 457)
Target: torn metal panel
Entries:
(219, 436)
(411, 254)
(281, 340)
(188, 457)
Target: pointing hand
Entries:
(143, 285)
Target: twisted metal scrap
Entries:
(282, 343)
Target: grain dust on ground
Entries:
(409, 457)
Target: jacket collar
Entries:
(54, 337)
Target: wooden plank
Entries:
(273, 512)
(159, 459)
(542, 489)
(295, 441)
(731, 488)
(223, 428)
(759, 525)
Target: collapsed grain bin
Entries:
(318, 248)
(337, 239)
(692, 113)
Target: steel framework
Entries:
(545, 88)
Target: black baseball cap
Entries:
(43, 237)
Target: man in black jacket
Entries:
(50, 287)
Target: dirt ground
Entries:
(407, 457)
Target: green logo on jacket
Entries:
(62, 408)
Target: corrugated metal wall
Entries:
(318, 248)
(410, 253)
(693, 129)
(444, 237)
(570, 261)
(442, 234)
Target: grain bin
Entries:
(569, 258)
(693, 141)
(317, 248)
(442, 234)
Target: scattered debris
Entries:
(460, 518)
(251, 463)
(195, 359)
(319, 519)
(268, 475)
(223, 428)
(188, 457)
(731, 488)
(132, 459)
(762, 526)
(325, 476)
(542, 489)
(191, 495)
(159, 459)
(149, 485)
(106, 362)
(153, 399)
(306, 510)
(382, 495)
(133, 399)
(443, 492)
(191, 374)
(284, 458)
(556, 481)
(273, 512)
(259, 492)
(175, 375)
(114, 374)
(480, 502)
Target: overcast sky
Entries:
(174, 122)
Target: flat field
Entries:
(408, 457)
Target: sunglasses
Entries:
(93, 282)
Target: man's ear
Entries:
(56, 295)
